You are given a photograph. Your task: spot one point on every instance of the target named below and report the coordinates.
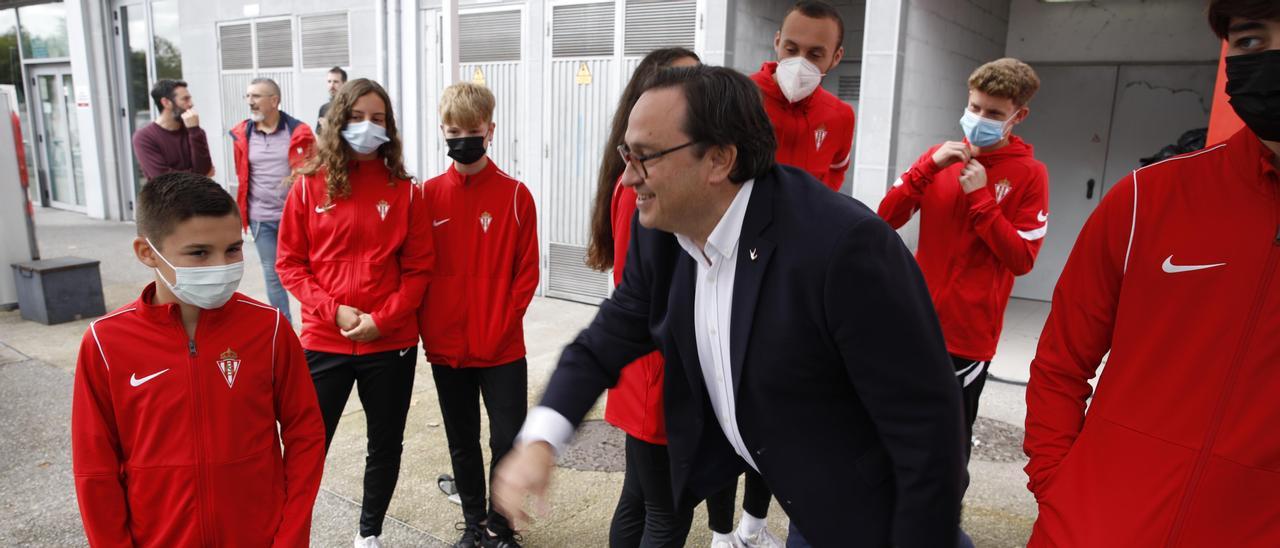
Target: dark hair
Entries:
(724, 109)
(275, 88)
(175, 197)
(814, 9)
(165, 89)
(339, 72)
(333, 154)
(1221, 12)
(600, 246)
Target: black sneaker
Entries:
(504, 540)
(472, 535)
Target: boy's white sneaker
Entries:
(368, 542)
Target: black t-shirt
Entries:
(323, 110)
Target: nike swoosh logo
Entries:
(135, 382)
(1042, 216)
(324, 208)
(1171, 268)
(440, 222)
(405, 351)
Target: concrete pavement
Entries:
(37, 500)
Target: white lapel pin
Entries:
(754, 255)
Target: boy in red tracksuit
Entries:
(180, 394)
(1176, 274)
(814, 128)
(472, 320)
(984, 209)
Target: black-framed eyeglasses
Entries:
(637, 160)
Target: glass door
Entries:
(58, 135)
(148, 49)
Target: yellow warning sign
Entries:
(477, 77)
(584, 75)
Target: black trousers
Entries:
(646, 516)
(505, 391)
(755, 501)
(384, 382)
(972, 377)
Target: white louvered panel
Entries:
(582, 30)
(850, 87)
(653, 24)
(503, 79)
(234, 109)
(235, 43)
(569, 278)
(275, 43)
(489, 37)
(325, 41)
(579, 128)
(629, 65)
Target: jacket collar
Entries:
(171, 313)
(1252, 161)
(484, 174)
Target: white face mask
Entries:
(798, 78)
(365, 137)
(205, 287)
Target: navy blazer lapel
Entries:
(680, 310)
(754, 253)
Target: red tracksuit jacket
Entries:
(972, 246)
(1177, 275)
(486, 234)
(815, 134)
(371, 250)
(301, 146)
(174, 440)
(635, 403)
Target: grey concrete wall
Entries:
(1116, 31)
(943, 43)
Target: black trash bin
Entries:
(59, 290)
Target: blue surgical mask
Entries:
(982, 132)
(365, 137)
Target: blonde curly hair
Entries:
(1007, 78)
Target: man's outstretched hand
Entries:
(525, 472)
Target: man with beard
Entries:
(268, 146)
(174, 142)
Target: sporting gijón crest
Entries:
(229, 366)
(383, 209)
(1002, 189)
(819, 135)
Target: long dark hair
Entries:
(334, 155)
(600, 248)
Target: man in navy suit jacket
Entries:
(798, 334)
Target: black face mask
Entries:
(466, 150)
(1253, 83)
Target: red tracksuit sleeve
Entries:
(302, 432)
(903, 199)
(293, 259)
(1077, 335)
(1016, 241)
(96, 457)
(842, 159)
(417, 258)
(526, 263)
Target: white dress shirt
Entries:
(713, 310)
